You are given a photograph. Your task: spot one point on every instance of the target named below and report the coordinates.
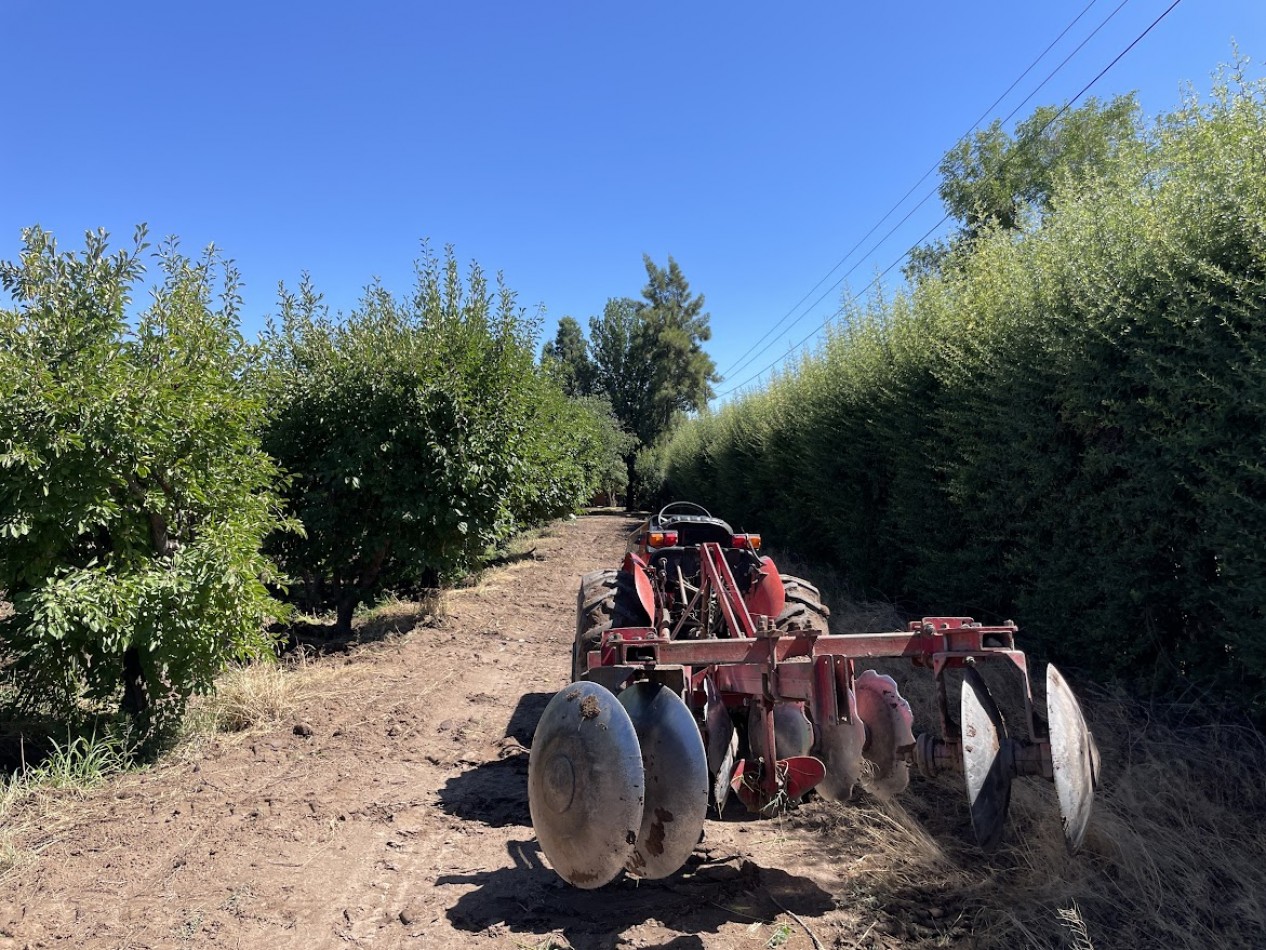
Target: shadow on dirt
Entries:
(322, 639)
(495, 793)
(711, 891)
(527, 713)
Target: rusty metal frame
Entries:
(750, 659)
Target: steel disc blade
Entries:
(840, 747)
(586, 784)
(1074, 757)
(724, 775)
(793, 734)
(676, 779)
(888, 723)
(722, 744)
(985, 762)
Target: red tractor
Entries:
(699, 670)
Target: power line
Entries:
(742, 361)
(1051, 121)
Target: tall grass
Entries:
(1173, 856)
(31, 794)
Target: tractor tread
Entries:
(804, 607)
(607, 599)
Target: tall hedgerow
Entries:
(1067, 426)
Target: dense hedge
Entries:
(1067, 425)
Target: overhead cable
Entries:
(946, 217)
(853, 297)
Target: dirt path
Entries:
(400, 818)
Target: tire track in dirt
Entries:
(402, 819)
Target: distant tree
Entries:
(568, 353)
(648, 355)
(994, 179)
(677, 327)
(620, 346)
(648, 358)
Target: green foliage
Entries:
(606, 443)
(568, 355)
(81, 763)
(645, 357)
(996, 180)
(133, 491)
(1066, 426)
(674, 328)
(418, 433)
(619, 344)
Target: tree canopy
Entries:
(995, 179)
(644, 357)
(134, 495)
(568, 355)
(418, 433)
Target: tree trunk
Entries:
(137, 702)
(348, 598)
(311, 592)
(352, 593)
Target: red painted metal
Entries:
(948, 648)
(767, 596)
(791, 776)
(753, 664)
(645, 592)
(717, 574)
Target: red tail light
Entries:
(749, 541)
(661, 539)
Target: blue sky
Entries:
(556, 142)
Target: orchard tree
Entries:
(134, 495)
(418, 434)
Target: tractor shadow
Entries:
(495, 792)
(711, 891)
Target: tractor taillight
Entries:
(661, 539)
(749, 541)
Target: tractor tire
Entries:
(804, 608)
(607, 599)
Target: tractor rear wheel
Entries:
(804, 608)
(607, 599)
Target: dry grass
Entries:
(256, 694)
(1175, 856)
(36, 796)
(394, 617)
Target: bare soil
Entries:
(393, 813)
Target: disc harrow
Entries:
(700, 671)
